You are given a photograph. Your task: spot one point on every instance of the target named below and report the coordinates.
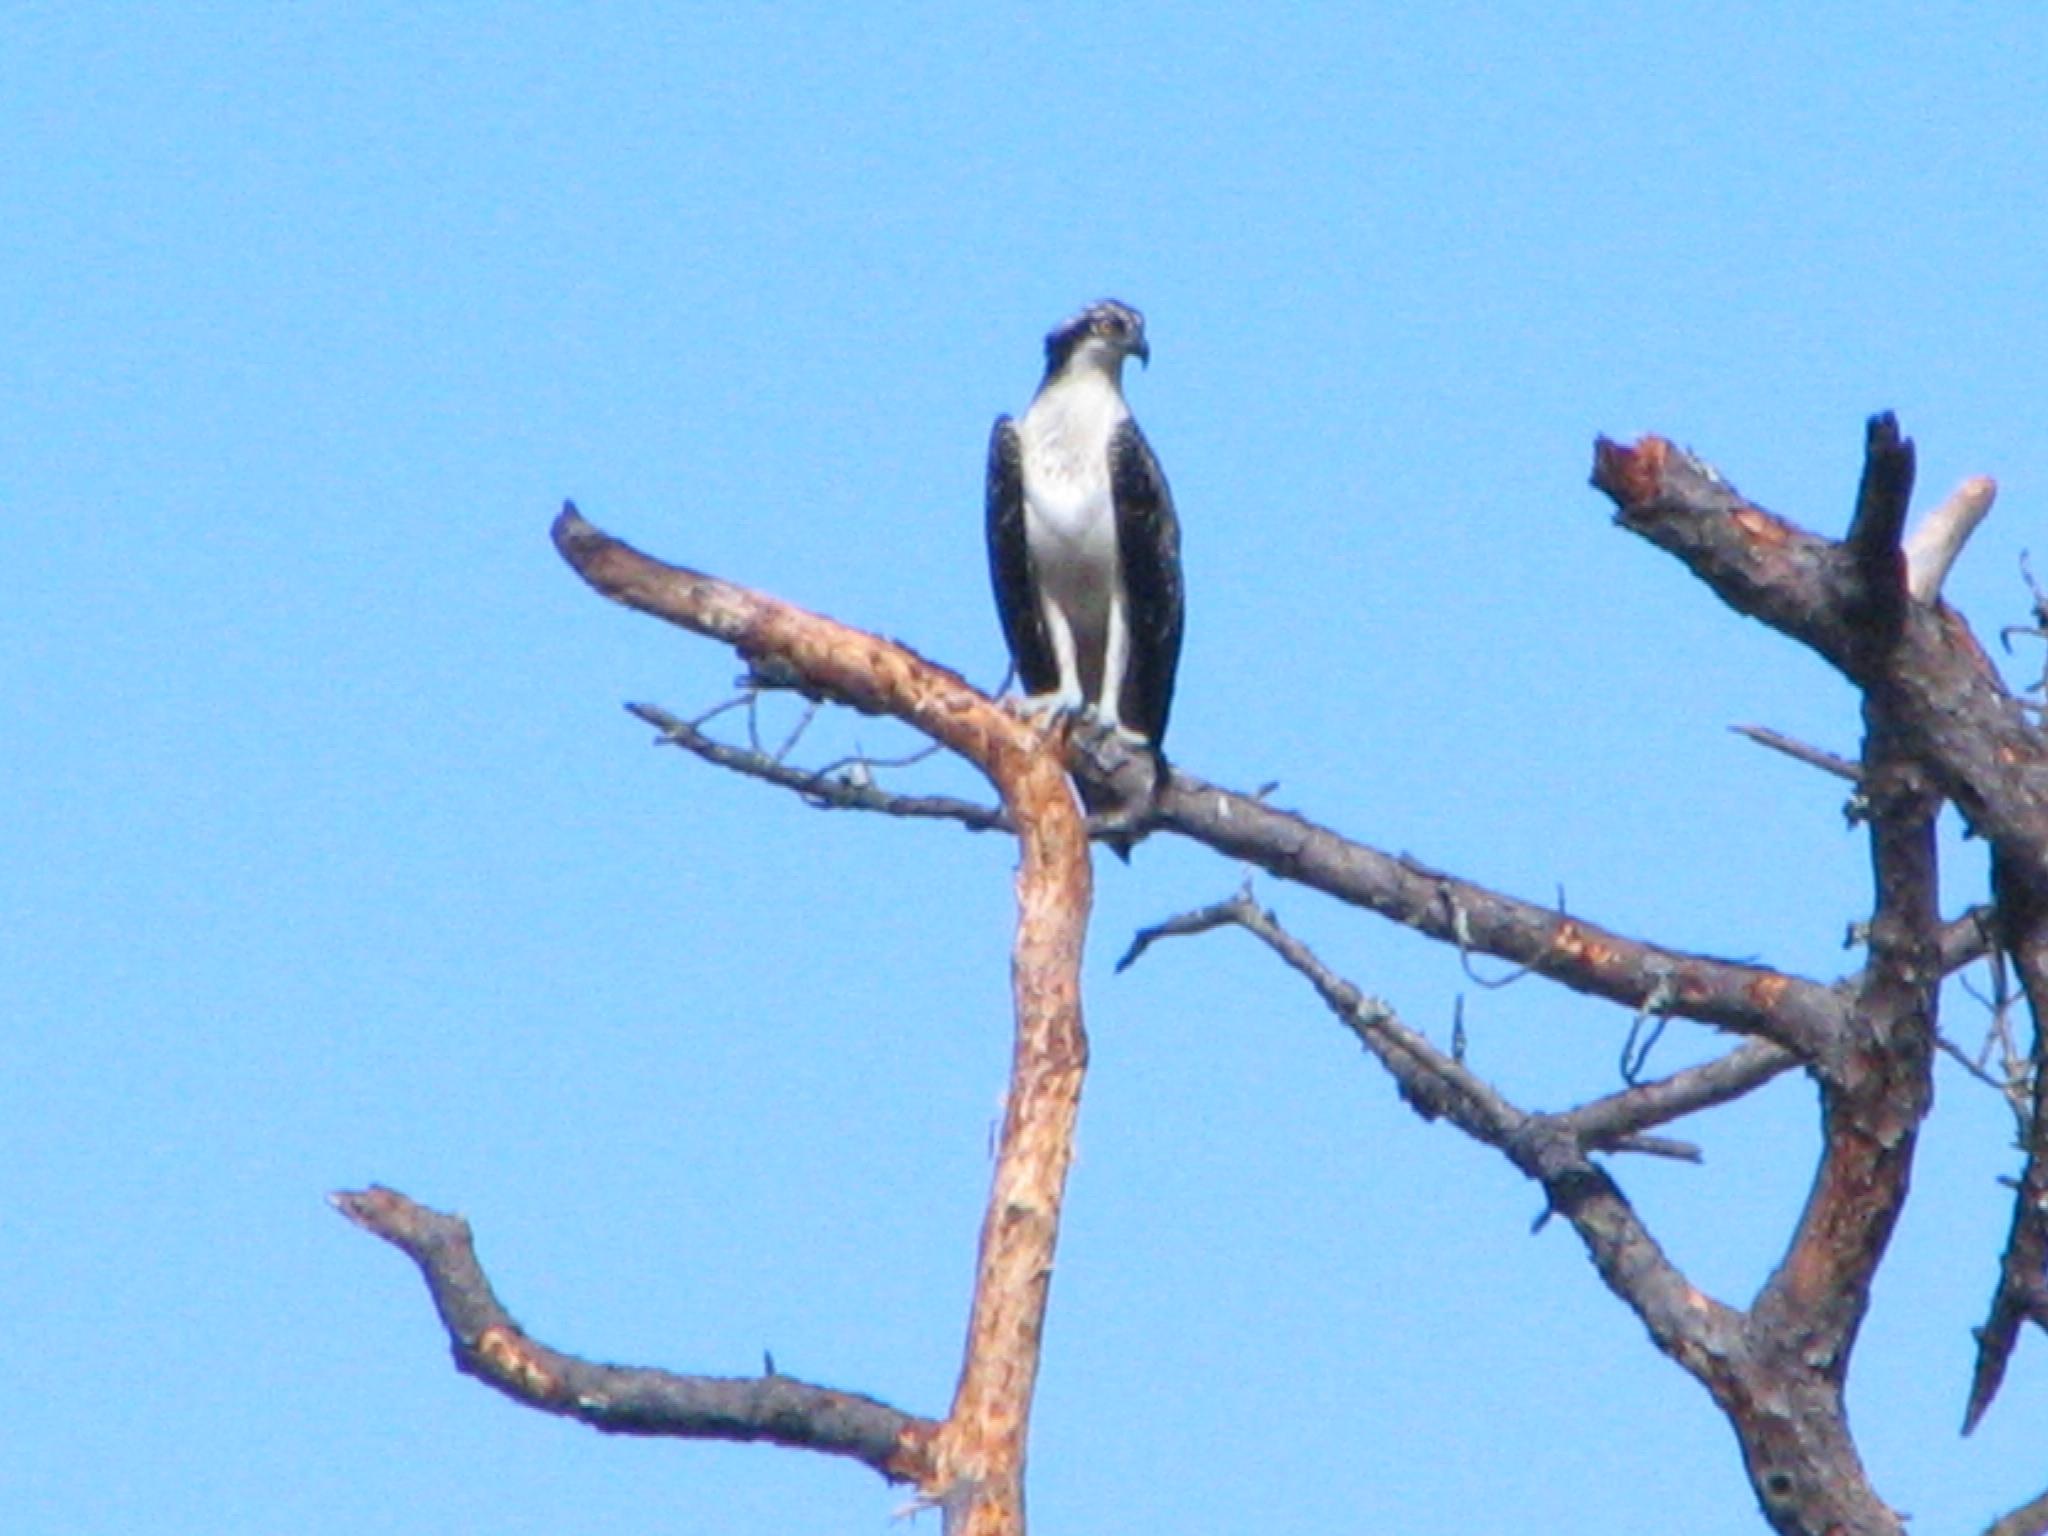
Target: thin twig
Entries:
(867, 763)
(796, 732)
(824, 793)
(1974, 1068)
(1813, 757)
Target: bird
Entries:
(1083, 541)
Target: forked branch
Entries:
(971, 1463)
(1942, 709)
(1554, 1149)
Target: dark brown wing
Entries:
(1148, 543)
(1009, 564)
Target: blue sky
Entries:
(331, 858)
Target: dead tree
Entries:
(1939, 727)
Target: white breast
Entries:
(1064, 438)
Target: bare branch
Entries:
(1956, 715)
(1934, 701)
(844, 785)
(2022, 1292)
(1695, 1330)
(1938, 723)
(1813, 757)
(976, 1456)
(1800, 1015)
(1432, 1082)
(624, 1400)
(1878, 1089)
(1877, 603)
(830, 659)
(1932, 547)
(1749, 1066)
(817, 788)
(1609, 1124)
(1221, 914)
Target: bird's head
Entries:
(1101, 336)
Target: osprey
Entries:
(1083, 545)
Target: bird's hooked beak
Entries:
(1143, 353)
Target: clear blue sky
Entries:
(329, 857)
